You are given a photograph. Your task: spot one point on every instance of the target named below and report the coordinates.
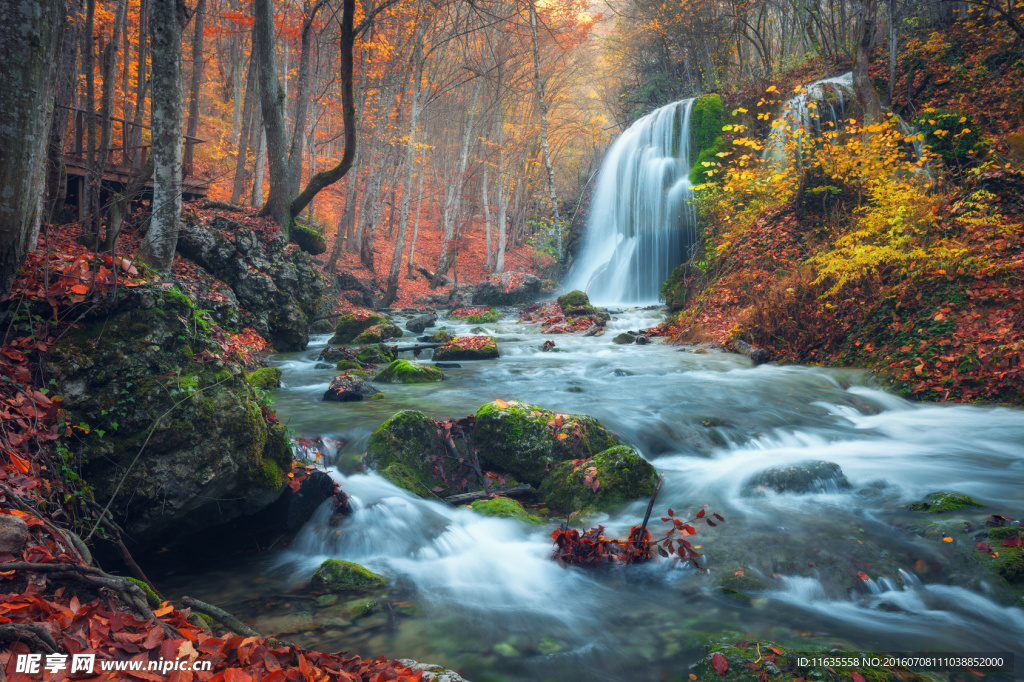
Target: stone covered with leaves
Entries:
(526, 440)
(275, 283)
(349, 387)
(612, 477)
(468, 348)
(344, 576)
(175, 434)
(408, 372)
(377, 333)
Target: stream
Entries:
(481, 595)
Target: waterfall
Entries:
(799, 114)
(642, 217)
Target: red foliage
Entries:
(471, 311)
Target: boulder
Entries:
(144, 373)
(935, 503)
(346, 388)
(803, 477)
(509, 288)
(353, 322)
(13, 534)
(758, 356)
(468, 348)
(673, 290)
(401, 450)
(621, 475)
(347, 365)
(310, 241)
(361, 293)
(375, 354)
(439, 337)
(275, 283)
(377, 333)
(576, 303)
(417, 324)
(526, 440)
(344, 576)
(504, 508)
(624, 339)
(408, 372)
(432, 672)
(265, 378)
(461, 296)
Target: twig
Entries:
(225, 618)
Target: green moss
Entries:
(408, 439)
(706, 119)
(524, 439)
(347, 364)
(352, 323)
(504, 508)
(377, 396)
(310, 241)
(408, 372)
(440, 337)
(378, 332)
(151, 597)
(956, 148)
(673, 290)
(404, 478)
(1010, 562)
(375, 354)
(265, 378)
(935, 503)
(455, 351)
(575, 303)
(622, 475)
(344, 576)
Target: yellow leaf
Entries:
(947, 539)
(500, 403)
(563, 436)
(771, 89)
(163, 610)
(291, 475)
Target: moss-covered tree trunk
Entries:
(30, 40)
(863, 89)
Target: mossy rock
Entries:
(936, 503)
(673, 290)
(575, 303)
(151, 597)
(335, 575)
(376, 354)
(408, 372)
(344, 365)
(353, 323)
(747, 664)
(310, 241)
(378, 332)
(459, 349)
(265, 378)
(401, 449)
(1009, 565)
(622, 475)
(526, 440)
(505, 508)
(439, 337)
(624, 339)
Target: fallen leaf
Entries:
(719, 663)
(500, 403)
(862, 575)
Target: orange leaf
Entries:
(500, 403)
(80, 289)
(563, 436)
(19, 463)
(719, 663)
(947, 539)
(163, 610)
(862, 575)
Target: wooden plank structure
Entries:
(123, 163)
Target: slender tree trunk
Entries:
(863, 89)
(416, 225)
(301, 103)
(487, 221)
(106, 111)
(30, 43)
(251, 86)
(272, 107)
(165, 25)
(199, 17)
(499, 261)
(256, 197)
(67, 83)
(89, 180)
(141, 84)
(893, 46)
(543, 107)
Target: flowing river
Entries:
(482, 596)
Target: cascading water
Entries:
(642, 217)
(807, 110)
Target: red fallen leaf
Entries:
(862, 575)
(742, 645)
(983, 547)
(719, 663)
(597, 484)
(997, 520)
(1012, 542)
(700, 514)
(857, 677)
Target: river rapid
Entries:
(482, 596)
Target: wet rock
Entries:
(504, 508)
(439, 337)
(376, 354)
(335, 576)
(758, 356)
(13, 534)
(378, 333)
(289, 624)
(622, 476)
(447, 365)
(944, 501)
(468, 348)
(348, 388)
(804, 477)
(265, 378)
(215, 455)
(275, 283)
(461, 296)
(642, 340)
(432, 299)
(347, 365)
(575, 304)
(510, 288)
(526, 440)
(362, 293)
(436, 673)
(352, 323)
(401, 449)
(624, 339)
(408, 372)
(308, 240)
(417, 324)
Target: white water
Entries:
(642, 218)
(810, 112)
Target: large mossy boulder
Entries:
(504, 508)
(349, 387)
(265, 378)
(404, 450)
(378, 333)
(621, 475)
(576, 303)
(527, 441)
(376, 354)
(139, 372)
(439, 337)
(344, 576)
(310, 241)
(275, 282)
(353, 322)
(936, 503)
(467, 348)
(673, 289)
(408, 372)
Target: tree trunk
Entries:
(166, 22)
(30, 40)
(199, 16)
(251, 85)
(301, 103)
(543, 107)
(89, 66)
(141, 85)
(487, 221)
(892, 52)
(67, 84)
(416, 225)
(106, 108)
(272, 106)
(256, 195)
(864, 91)
(499, 261)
